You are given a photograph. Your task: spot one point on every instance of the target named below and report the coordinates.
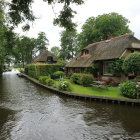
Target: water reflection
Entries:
(6, 122)
(41, 115)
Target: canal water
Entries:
(29, 112)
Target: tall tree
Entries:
(68, 44)
(102, 27)
(20, 11)
(42, 42)
(56, 51)
(7, 39)
(24, 50)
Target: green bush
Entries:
(42, 79)
(86, 79)
(82, 79)
(58, 74)
(49, 82)
(130, 89)
(64, 86)
(76, 78)
(132, 63)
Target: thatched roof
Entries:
(42, 57)
(105, 50)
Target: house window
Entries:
(132, 51)
(77, 70)
(85, 52)
(49, 59)
(107, 68)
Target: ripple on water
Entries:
(28, 112)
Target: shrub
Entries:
(49, 82)
(76, 78)
(132, 63)
(42, 79)
(62, 63)
(130, 89)
(86, 79)
(64, 85)
(58, 74)
(117, 69)
(82, 79)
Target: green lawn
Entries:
(96, 91)
(107, 92)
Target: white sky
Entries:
(130, 9)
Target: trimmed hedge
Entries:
(37, 70)
(82, 79)
(58, 74)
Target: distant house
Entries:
(45, 57)
(104, 53)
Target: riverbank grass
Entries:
(112, 92)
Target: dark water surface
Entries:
(28, 112)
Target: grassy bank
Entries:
(113, 92)
(96, 91)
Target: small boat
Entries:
(19, 74)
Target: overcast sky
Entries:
(130, 9)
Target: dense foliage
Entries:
(49, 82)
(102, 27)
(37, 70)
(132, 63)
(42, 79)
(21, 11)
(26, 48)
(82, 79)
(46, 80)
(117, 69)
(64, 86)
(130, 89)
(55, 51)
(7, 40)
(69, 45)
(58, 75)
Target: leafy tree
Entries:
(41, 42)
(68, 44)
(111, 24)
(102, 27)
(56, 51)
(88, 34)
(117, 69)
(20, 11)
(7, 40)
(132, 63)
(24, 50)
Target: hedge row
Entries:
(37, 70)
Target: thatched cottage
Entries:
(103, 53)
(45, 57)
